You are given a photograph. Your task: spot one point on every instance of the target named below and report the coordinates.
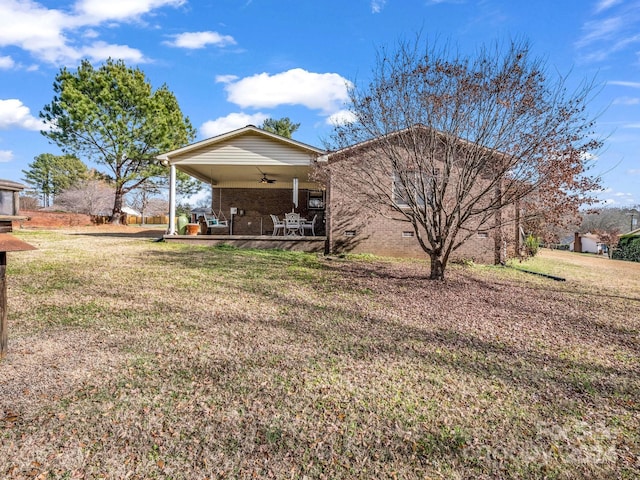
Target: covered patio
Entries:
(254, 176)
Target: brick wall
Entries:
(358, 229)
(355, 226)
(257, 204)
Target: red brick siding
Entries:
(378, 235)
(258, 205)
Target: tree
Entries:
(282, 127)
(612, 219)
(112, 116)
(29, 200)
(50, 174)
(149, 193)
(93, 196)
(461, 138)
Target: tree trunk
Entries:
(497, 233)
(4, 334)
(437, 267)
(117, 215)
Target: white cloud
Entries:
(32, 27)
(319, 91)
(231, 122)
(13, 114)
(341, 117)
(626, 101)
(634, 171)
(57, 36)
(599, 30)
(226, 78)
(6, 63)
(97, 11)
(631, 125)
(101, 50)
(624, 83)
(610, 197)
(6, 156)
(613, 28)
(195, 40)
(605, 4)
(377, 5)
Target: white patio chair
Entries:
(309, 225)
(293, 226)
(277, 224)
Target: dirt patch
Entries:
(81, 224)
(42, 219)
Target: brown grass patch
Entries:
(135, 359)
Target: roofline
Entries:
(632, 233)
(11, 185)
(406, 129)
(234, 133)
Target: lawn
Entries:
(130, 358)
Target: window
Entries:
(407, 234)
(350, 233)
(483, 235)
(315, 200)
(411, 185)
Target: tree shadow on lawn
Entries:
(526, 368)
(435, 324)
(138, 233)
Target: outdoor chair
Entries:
(309, 225)
(293, 226)
(277, 225)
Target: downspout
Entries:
(172, 200)
(327, 217)
(499, 256)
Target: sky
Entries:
(232, 63)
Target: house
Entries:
(254, 174)
(376, 186)
(633, 235)
(587, 243)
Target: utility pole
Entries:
(632, 214)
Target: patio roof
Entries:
(242, 158)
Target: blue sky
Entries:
(236, 62)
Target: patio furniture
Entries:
(293, 224)
(309, 225)
(278, 225)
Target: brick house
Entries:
(254, 174)
(362, 183)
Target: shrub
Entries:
(629, 251)
(531, 245)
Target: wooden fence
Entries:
(133, 220)
(155, 220)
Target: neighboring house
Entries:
(633, 235)
(628, 247)
(131, 212)
(628, 238)
(254, 174)
(587, 243)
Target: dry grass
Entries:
(135, 359)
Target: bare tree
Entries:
(446, 142)
(91, 197)
(611, 219)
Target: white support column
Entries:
(295, 192)
(172, 200)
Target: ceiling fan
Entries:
(264, 178)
